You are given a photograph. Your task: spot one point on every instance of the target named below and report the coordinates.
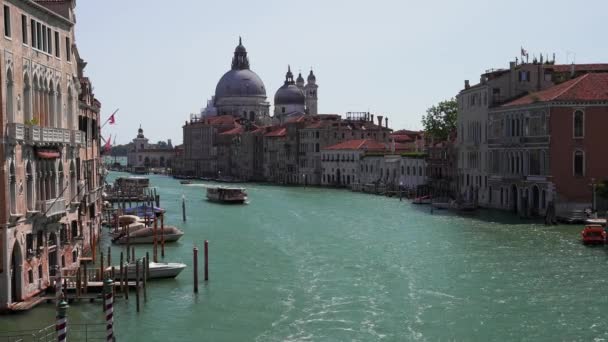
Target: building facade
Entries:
(146, 155)
(50, 175)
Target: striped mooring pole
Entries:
(62, 321)
(108, 285)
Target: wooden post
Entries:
(183, 208)
(206, 260)
(133, 254)
(155, 250)
(78, 283)
(144, 277)
(100, 274)
(86, 279)
(148, 265)
(109, 256)
(122, 261)
(126, 228)
(162, 235)
(137, 284)
(125, 277)
(195, 269)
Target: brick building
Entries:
(50, 174)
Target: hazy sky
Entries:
(159, 61)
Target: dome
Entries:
(243, 82)
(289, 94)
(311, 77)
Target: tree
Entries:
(440, 120)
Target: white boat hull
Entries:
(159, 270)
(149, 239)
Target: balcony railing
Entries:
(32, 133)
(51, 207)
(77, 137)
(16, 131)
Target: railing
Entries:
(51, 207)
(77, 137)
(16, 131)
(32, 133)
(55, 135)
(75, 332)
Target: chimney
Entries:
(572, 70)
(372, 118)
(466, 84)
(379, 117)
(386, 122)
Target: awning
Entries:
(48, 154)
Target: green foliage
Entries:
(440, 119)
(121, 150)
(31, 122)
(602, 189)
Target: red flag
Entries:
(111, 120)
(108, 145)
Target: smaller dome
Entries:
(289, 94)
(300, 79)
(311, 77)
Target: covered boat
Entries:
(144, 211)
(593, 235)
(146, 235)
(227, 195)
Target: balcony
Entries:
(16, 131)
(51, 207)
(77, 137)
(32, 134)
(55, 135)
(93, 196)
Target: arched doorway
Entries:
(535, 200)
(514, 198)
(16, 273)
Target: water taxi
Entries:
(226, 195)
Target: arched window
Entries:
(73, 189)
(579, 163)
(29, 186)
(70, 110)
(252, 116)
(60, 178)
(53, 114)
(10, 113)
(12, 181)
(59, 106)
(27, 99)
(579, 124)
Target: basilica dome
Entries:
(289, 93)
(240, 81)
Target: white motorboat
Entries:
(146, 235)
(158, 270)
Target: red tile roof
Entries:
(588, 87)
(365, 145)
(401, 138)
(278, 132)
(235, 131)
(581, 67)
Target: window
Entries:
(38, 36)
(524, 76)
(44, 39)
(579, 163)
(7, 21)
(68, 49)
(57, 49)
(579, 124)
(24, 29)
(50, 40)
(33, 33)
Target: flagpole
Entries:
(111, 116)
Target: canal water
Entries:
(307, 264)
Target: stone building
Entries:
(50, 176)
(549, 146)
(146, 155)
(441, 161)
(496, 87)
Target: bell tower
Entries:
(310, 90)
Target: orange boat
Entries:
(593, 234)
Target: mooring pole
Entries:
(183, 208)
(206, 260)
(122, 263)
(61, 326)
(162, 235)
(155, 249)
(195, 269)
(137, 284)
(108, 286)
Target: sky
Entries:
(159, 61)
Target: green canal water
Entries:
(299, 264)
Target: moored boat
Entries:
(185, 181)
(227, 195)
(146, 235)
(593, 235)
(158, 270)
(422, 200)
